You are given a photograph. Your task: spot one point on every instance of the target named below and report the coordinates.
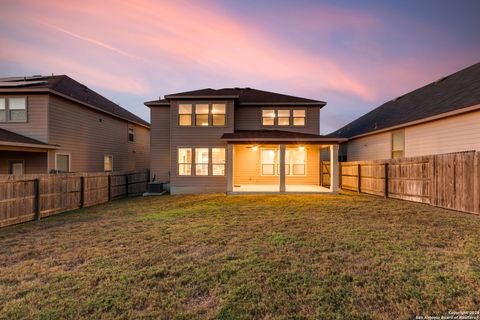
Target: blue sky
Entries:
(353, 54)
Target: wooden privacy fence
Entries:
(449, 180)
(30, 197)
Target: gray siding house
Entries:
(56, 124)
(441, 117)
(238, 140)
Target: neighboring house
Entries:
(441, 117)
(53, 123)
(238, 140)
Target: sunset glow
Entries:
(352, 56)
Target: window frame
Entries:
(275, 163)
(69, 161)
(185, 114)
(291, 163)
(207, 164)
(7, 109)
(193, 114)
(191, 163)
(107, 156)
(133, 134)
(291, 118)
(12, 161)
(224, 164)
(392, 151)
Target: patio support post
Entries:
(282, 167)
(230, 167)
(334, 168)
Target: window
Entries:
(131, 134)
(13, 109)
(184, 161)
(201, 115)
(107, 163)
(62, 162)
(298, 117)
(3, 115)
(269, 162)
(184, 114)
(201, 161)
(17, 109)
(218, 114)
(268, 117)
(218, 161)
(16, 167)
(283, 117)
(398, 142)
(295, 162)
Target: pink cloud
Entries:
(191, 36)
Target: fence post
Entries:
(359, 173)
(36, 189)
(126, 184)
(109, 187)
(321, 172)
(386, 179)
(82, 191)
(340, 175)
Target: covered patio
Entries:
(273, 161)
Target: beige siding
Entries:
(35, 162)
(372, 147)
(196, 137)
(247, 167)
(160, 143)
(88, 135)
(250, 118)
(37, 117)
(453, 134)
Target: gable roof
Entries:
(12, 138)
(70, 89)
(245, 96)
(454, 92)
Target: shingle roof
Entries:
(457, 91)
(71, 88)
(275, 134)
(8, 136)
(244, 96)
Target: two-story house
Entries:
(56, 124)
(239, 140)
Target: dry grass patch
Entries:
(242, 257)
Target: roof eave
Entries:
(319, 103)
(28, 145)
(419, 121)
(286, 139)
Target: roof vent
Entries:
(440, 80)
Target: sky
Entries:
(355, 55)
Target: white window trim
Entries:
(128, 134)
(7, 109)
(69, 160)
(277, 163)
(391, 143)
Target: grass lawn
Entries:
(242, 257)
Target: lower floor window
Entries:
(184, 161)
(16, 167)
(62, 162)
(295, 162)
(108, 163)
(201, 161)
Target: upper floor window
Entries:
(283, 117)
(131, 134)
(184, 114)
(299, 117)
(398, 144)
(202, 114)
(13, 109)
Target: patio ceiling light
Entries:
(255, 148)
(301, 148)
